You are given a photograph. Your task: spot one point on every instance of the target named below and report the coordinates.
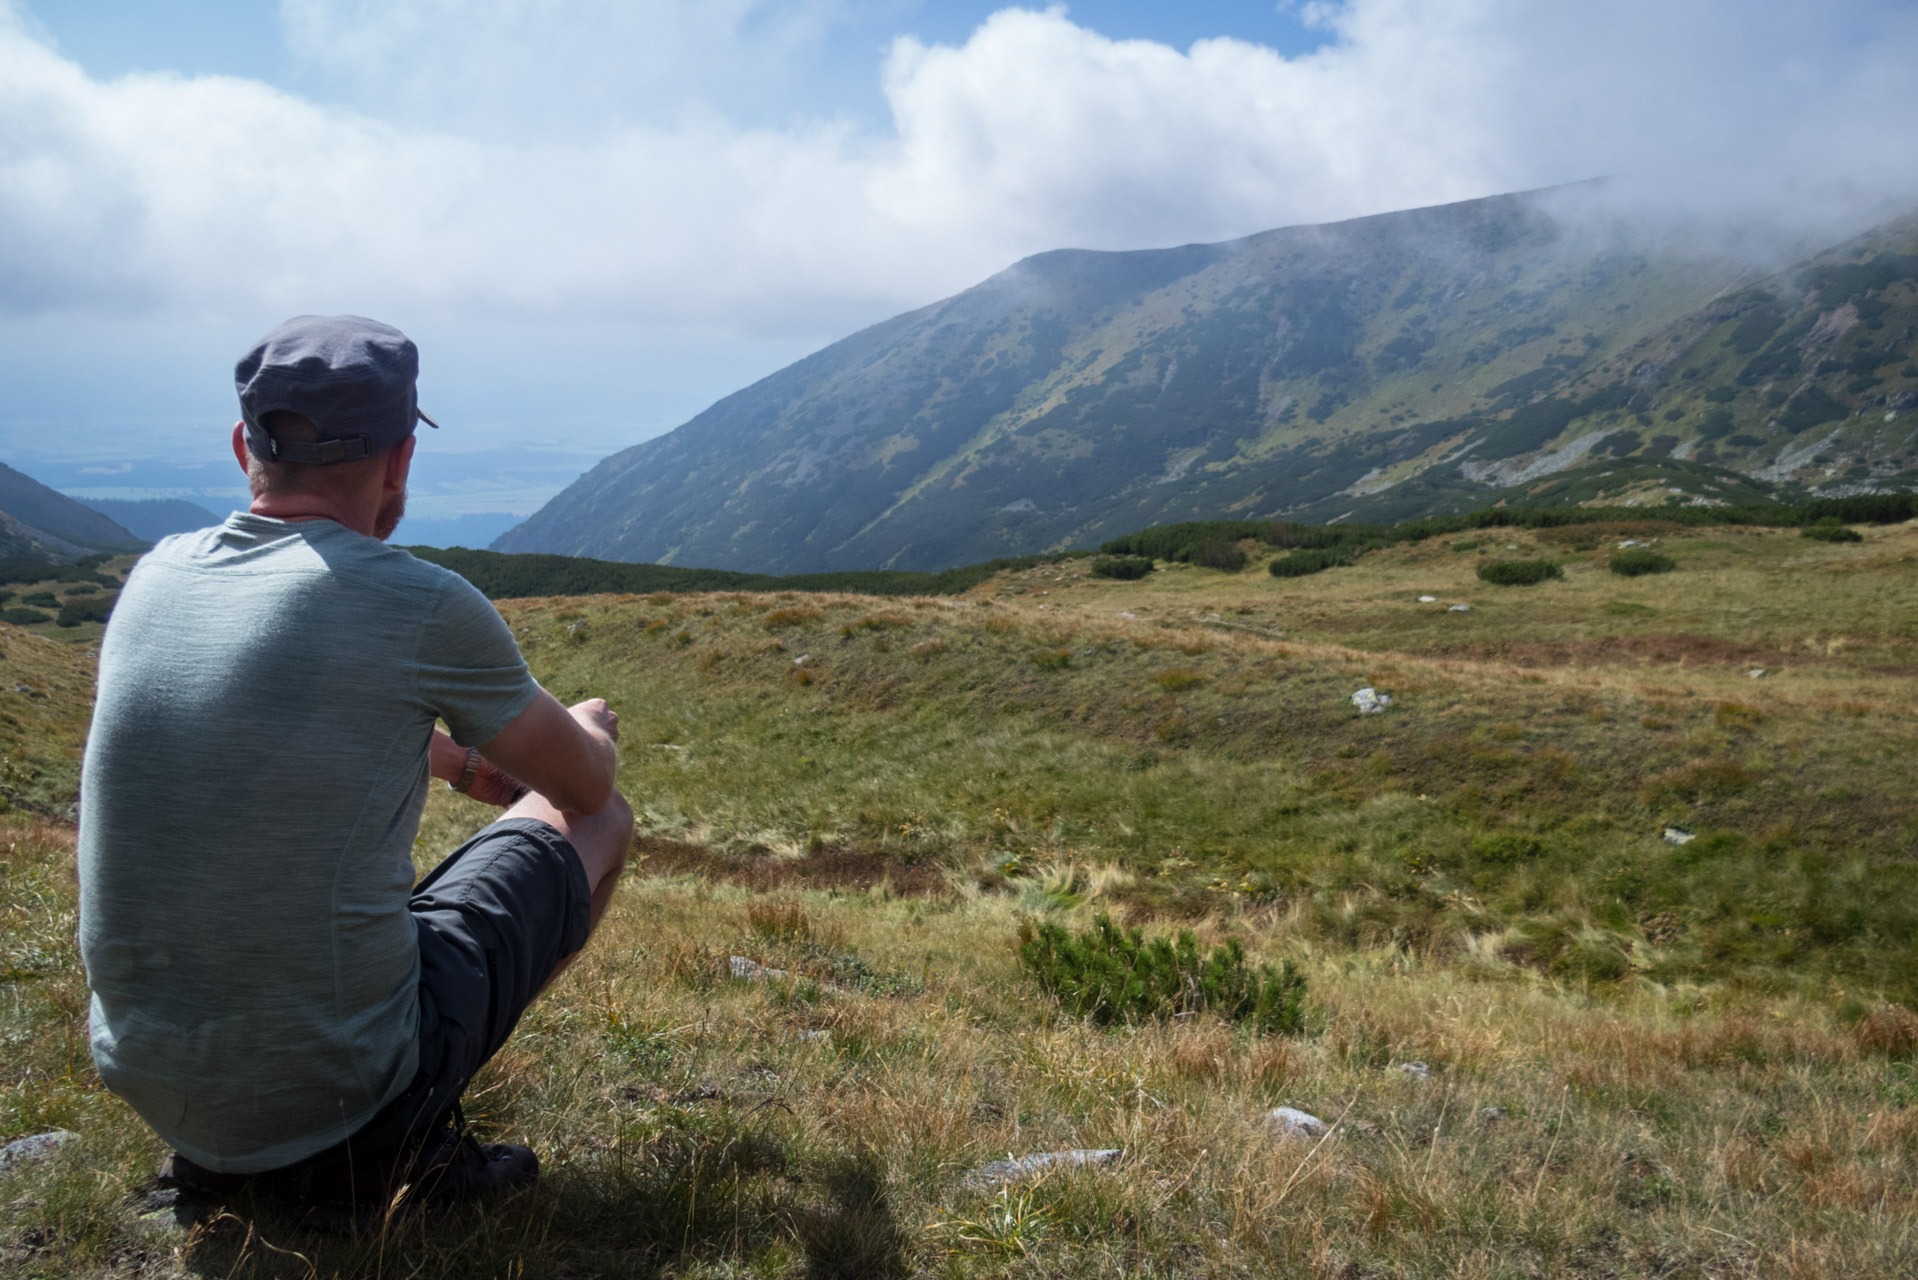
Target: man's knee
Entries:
(621, 813)
(604, 839)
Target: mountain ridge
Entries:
(45, 523)
(1305, 373)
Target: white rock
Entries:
(1630, 542)
(1428, 599)
(800, 661)
(37, 1147)
(1290, 1122)
(753, 971)
(1460, 608)
(1756, 673)
(1678, 835)
(1369, 701)
(1489, 1114)
(1023, 1167)
(1416, 1070)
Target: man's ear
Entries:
(399, 462)
(239, 444)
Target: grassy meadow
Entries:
(1645, 1058)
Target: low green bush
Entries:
(81, 609)
(1124, 568)
(1518, 573)
(41, 600)
(1829, 530)
(1300, 563)
(1228, 556)
(24, 617)
(1113, 975)
(1636, 562)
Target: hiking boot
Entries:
(197, 1180)
(456, 1166)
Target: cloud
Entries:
(610, 162)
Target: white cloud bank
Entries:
(515, 160)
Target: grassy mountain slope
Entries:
(49, 511)
(1301, 373)
(1645, 1059)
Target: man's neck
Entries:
(300, 508)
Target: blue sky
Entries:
(597, 216)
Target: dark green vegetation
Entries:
(1123, 568)
(1636, 562)
(505, 577)
(1112, 975)
(1830, 530)
(1207, 544)
(1378, 370)
(1299, 564)
(1518, 573)
(76, 597)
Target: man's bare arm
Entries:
(569, 756)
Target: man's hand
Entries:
(597, 717)
(570, 755)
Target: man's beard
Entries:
(391, 513)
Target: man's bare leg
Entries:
(602, 840)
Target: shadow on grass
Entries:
(644, 1208)
(853, 1234)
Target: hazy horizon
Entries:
(598, 218)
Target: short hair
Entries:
(271, 475)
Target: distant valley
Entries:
(1381, 369)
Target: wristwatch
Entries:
(471, 771)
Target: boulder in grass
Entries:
(1370, 701)
(37, 1147)
(1020, 1168)
(1416, 1070)
(1678, 835)
(753, 971)
(1290, 1122)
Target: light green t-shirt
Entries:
(251, 790)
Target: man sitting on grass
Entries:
(271, 991)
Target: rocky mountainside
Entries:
(41, 523)
(1382, 368)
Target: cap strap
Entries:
(323, 452)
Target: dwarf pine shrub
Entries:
(1219, 554)
(1113, 975)
(1636, 562)
(1306, 561)
(1124, 568)
(1518, 573)
(1829, 530)
(86, 609)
